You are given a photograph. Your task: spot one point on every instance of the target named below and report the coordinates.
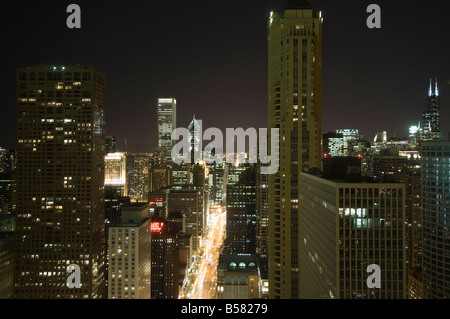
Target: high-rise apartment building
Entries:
(436, 220)
(295, 63)
(60, 181)
(160, 170)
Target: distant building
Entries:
(167, 122)
(138, 176)
(116, 172)
(129, 249)
(161, 170)
(195, 136)
(238, 277)
(430, 126)
(110, 144)
(241, 214)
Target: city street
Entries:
(202, 281)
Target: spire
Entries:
(436, 90)
(297, 5)
(430, 91)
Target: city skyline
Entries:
(222, 66)
(99, 205)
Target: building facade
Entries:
(295, 67)
(435, 211)
(60, 181)
(129, 252)
(345, 227)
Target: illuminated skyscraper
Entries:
(138, 176)
(295, 64)
(167, 122)
(60, 181)
(116, 172)
(431, 117)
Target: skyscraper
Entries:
(165, 260)
(116, 172)
(295, 63)
(167, 122)
(60, 181)
(431, 117)
(129, 250)
(241, 215)
(436, 213)
(345, 227)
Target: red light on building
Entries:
(359, 155)
(325, 155)
(156, 227)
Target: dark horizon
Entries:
(213, 59)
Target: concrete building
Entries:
(129, 250)
(345, 226)
(238, 277)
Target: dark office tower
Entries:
(295, 67)
(394, 165)
(189, 201)
(436, 210)
(60, 181)
(430, 119)
(241, 215)
(347, 225)
(110, 144)
(165, 260)
(167, 122)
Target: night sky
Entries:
(212, 57)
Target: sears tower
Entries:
(430, 119)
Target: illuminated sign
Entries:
(156, 227)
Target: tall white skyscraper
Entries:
(167, 119)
